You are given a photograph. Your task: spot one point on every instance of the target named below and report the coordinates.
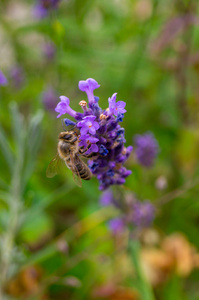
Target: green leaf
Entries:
(6, 150)
(36, 228)
(143, 286)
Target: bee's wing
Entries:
(76, 176)
(52, 169)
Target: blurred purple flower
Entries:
(116, 107)
(43, 7)
(107, 198)
(3, 79)
(146, 149)
(17, 77)
(172, 29)
(49, 51)
(116, 225)
(88, 86)
(50, 99)
(143, 214)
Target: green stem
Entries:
(144, 287)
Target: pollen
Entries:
(124, 151)
(83, 103)
(103, 117)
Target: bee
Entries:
(68, 150)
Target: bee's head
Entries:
(69, 136)
(66, 135)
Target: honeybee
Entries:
(68, 150)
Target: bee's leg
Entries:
(83, 151)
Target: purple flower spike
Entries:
(146, 149)
(17, 77)
(101, 134)
(88, 125)
(49, 99)
(116, 225)
(3, 79)
(63, 107)
(88, 86)
(116, 107)
(107, 198)
(143, 213)
(43, 7)
(49, 51)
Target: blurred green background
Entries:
(55, 243)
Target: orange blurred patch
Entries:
(25, 283)
(111, 291)
(124, 294)
(181, 252)
(174, 254)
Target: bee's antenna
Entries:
(63, 125)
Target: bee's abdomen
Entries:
(82, 169)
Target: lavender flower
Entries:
(116, 225)
(3, 79)
(116, 107)
(101, 134)
(49, 51)
(49, 99)
(143, 214)
(43, 7)
(146, 149)
(63, 107)
(88, 125)
(17, 77)
(107, 198)
(88, 86)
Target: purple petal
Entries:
(61, 108)
(84, 137)
(92, 130)
(88, 84)
(112, 99)
(94, 148)
(89, 118)
(112, 103)
(64, 99)
(84, 130)
(80, 124)
(93, 139)
(121, 104)
(96, 125)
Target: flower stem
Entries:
(144, 287)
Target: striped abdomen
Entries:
(79, 168)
